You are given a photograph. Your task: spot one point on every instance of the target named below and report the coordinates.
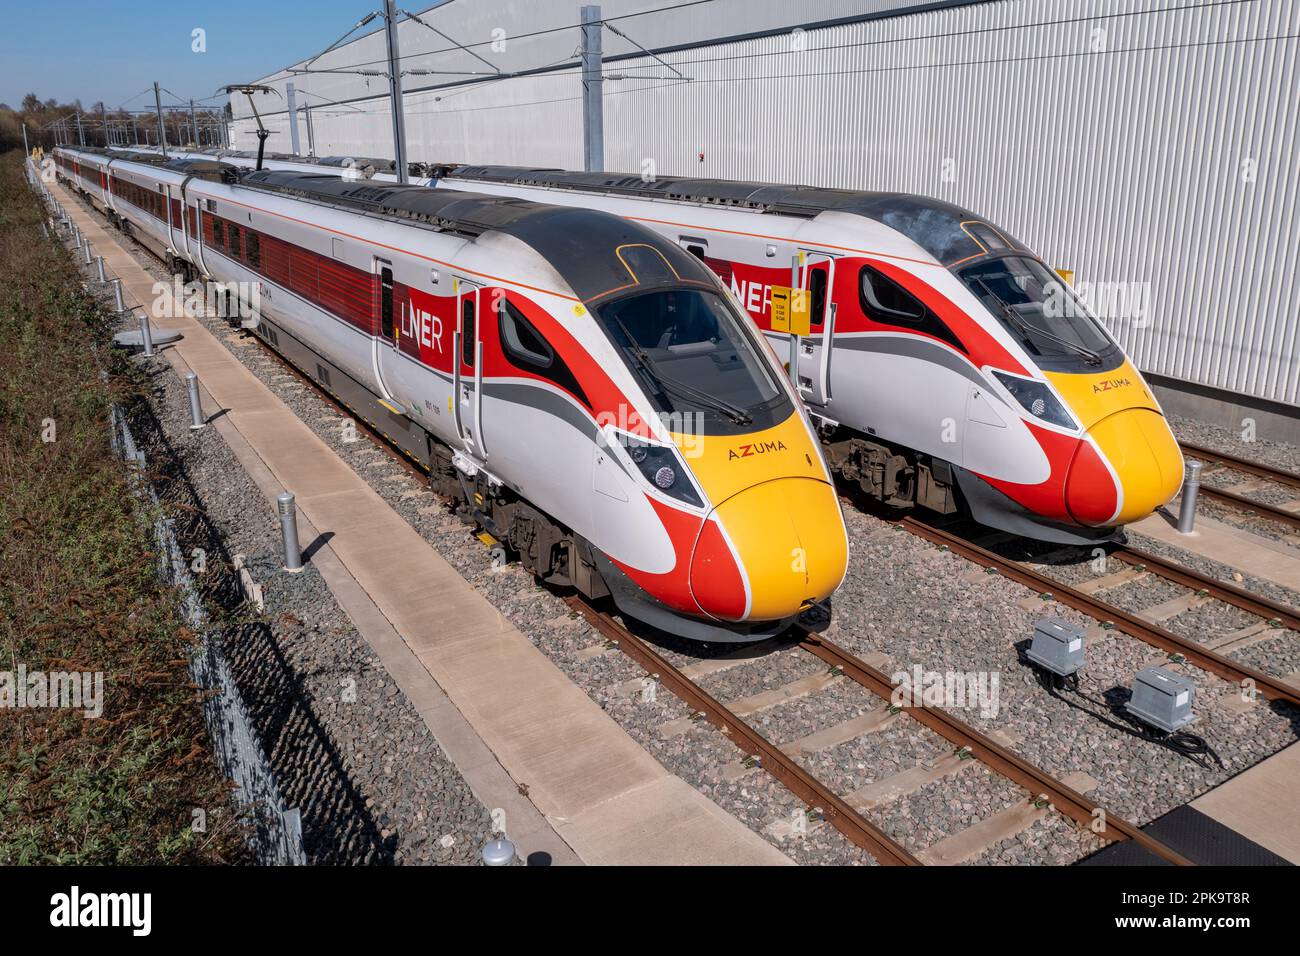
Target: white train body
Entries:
(932, 406)
(519, 352)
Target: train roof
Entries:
(584, 246)
(937, 227)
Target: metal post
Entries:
(289, 531)
(395, 91)
(146, 335)
(196, 410)
(81, 135)
(194, 122)
(311, 133)
(292, 104)
(593, 106)
(119, 306)
(99, 268)
(794, 339)
(135, 133)
(1191, 489)
(86, 250)
(162, 128)
(26, 149)
(103, 118)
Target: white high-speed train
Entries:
(945, 363)
(585, 388)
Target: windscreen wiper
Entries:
(1023, 327)
(735, 413)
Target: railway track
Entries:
(1288, 513)
(1096, 607)
(1042, 788)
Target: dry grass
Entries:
(78, 591)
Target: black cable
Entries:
(1180, 742)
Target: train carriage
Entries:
(946, 365)
(585, 388)
(944, 361)
(86, 170)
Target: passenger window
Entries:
(522, 343)
(254, 250)
(467, 340)
(234, 242)
(386, 301)
(528, 349)
(886, 301)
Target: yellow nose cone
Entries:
(1145, 457)
(789, 536)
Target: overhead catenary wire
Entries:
(889, 69)
(467, 47)
(562, 70)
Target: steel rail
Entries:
(1266, 608)
(992, 754)
(1242, 503)
(1271, 687)
(780, 765)
(1241, 464)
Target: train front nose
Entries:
(1145, 469)
(787, 536)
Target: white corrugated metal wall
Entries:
(1151, 147)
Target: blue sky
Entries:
(113, 49)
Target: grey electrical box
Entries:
(1162, 699)
(1057, 646)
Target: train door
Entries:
(198, 234)
(817, 277)
(384, 345)
(467, 360)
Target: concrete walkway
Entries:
(599, 792)
(1260, 803)
(1251, 554)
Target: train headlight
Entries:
(1037, 399)
(660, 466)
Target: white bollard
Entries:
(196, 409)
(146, 335)
(500, 852)
(1187, 506)
(289, 531)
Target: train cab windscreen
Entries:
(690, 352)
(1041, 310)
